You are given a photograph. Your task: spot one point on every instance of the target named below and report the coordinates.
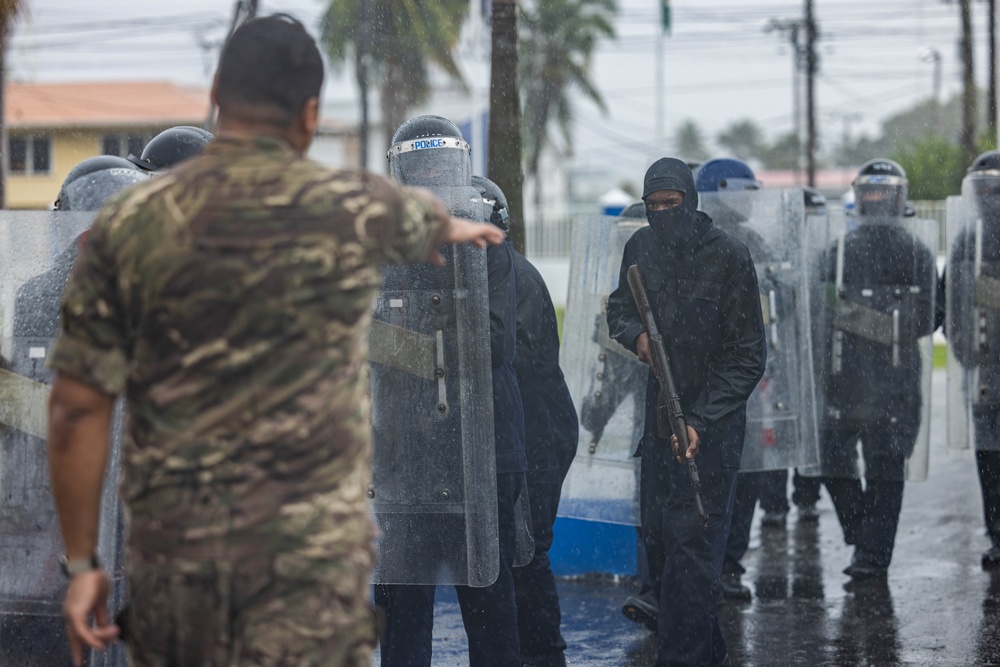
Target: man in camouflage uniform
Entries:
(230, 301)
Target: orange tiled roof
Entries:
(103, 104)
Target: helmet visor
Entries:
(984, 187)
(880, 195)
(431, 162)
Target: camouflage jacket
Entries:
(230, 300)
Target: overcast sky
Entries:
(721, 65)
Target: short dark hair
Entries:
(268, 70)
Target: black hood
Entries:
(673, 227)
(671, 174)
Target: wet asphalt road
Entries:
(938, 608)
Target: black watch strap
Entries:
(74, 566)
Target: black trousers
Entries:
(538, 613)
(869, 514)
(684, 558)
(489, 614)
(750, 487)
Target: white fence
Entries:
(552, 238)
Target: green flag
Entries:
(665, 15)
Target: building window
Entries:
(123, 144)
(40, 152)
(29, 155)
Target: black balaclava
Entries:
(675, 225)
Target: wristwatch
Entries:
(74, 566)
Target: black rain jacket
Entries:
(551, 428)
(706, 300)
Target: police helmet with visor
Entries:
(171, 146)
(495, 200)
(880, 189)
(983, 181)
(92, 182)
(725, 186)
(430, 151)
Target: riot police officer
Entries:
(551, 433)
(172, 145)
(87, 186)
(704, 295)
(429, 151)
(881, 284)
(974, 332)
(725, 188)
(27, 501)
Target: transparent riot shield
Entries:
(781, 416)
(873, 303)
(973, 317)
(37, 252)
(607, 382)
(433, 490)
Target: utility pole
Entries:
(932, 55)
(504, 167)
(811, 67)
(847, 118)
(992, 122)
(792, 28)
(968, 86)
(246, 10)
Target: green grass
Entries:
(940, 356)
(560, 315)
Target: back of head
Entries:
(173, 145)
(635, 210)
(723, 185)
(269, 69)
(880, 189)
(982, 183)
(92, 182)
(495, 198)
(725, 175)
(815, 202)
(430, 151)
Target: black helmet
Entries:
(815, 202)
(880, 189)
(90, 183)
(635, 210)
(171, 146)
(982, 183)
(430, 151)
(494, 196)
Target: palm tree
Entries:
(743, 138)
(689, 141)
(404, 37)
(9, 11)
(505, 136)
(557, 41)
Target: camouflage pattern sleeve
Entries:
(92, 346)
(397, 222)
